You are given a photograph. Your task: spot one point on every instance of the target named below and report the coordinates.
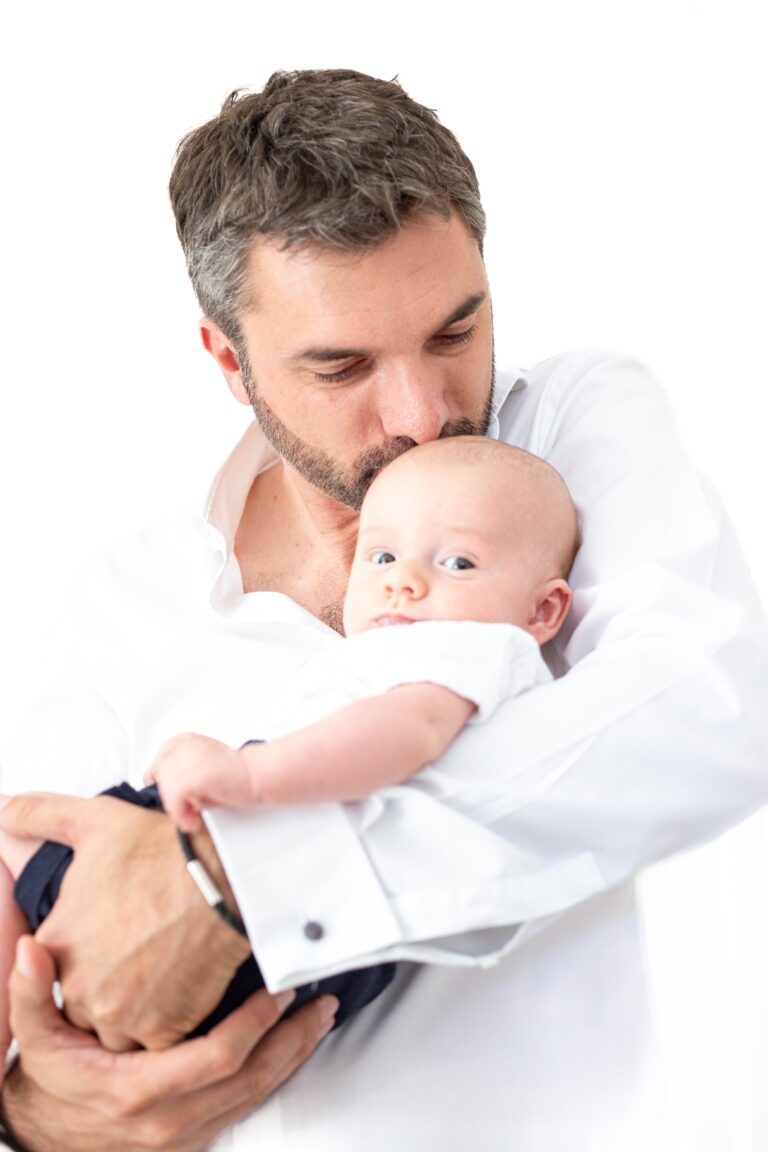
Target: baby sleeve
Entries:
(485, 663)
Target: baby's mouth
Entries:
(386, 621)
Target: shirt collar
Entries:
(506, 384)
(227, 496)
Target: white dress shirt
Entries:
(654, 740)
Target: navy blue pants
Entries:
(37, 889)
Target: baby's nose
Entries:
(405, 578)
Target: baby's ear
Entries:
(552, 606)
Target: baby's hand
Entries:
(195, 772)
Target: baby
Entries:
(459, 530)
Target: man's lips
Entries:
(385, 621)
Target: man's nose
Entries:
(412, 404)
(404, 579)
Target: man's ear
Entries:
(225, 354)
(552, 606)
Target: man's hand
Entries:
(67, 1094)
(141, 958)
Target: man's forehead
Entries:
(432, 262)
(321, 353)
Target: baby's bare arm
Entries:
(366, 746)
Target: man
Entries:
(333, 232)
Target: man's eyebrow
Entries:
(470, 305)
(329, 355)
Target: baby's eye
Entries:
(457, 563)
(382, 557)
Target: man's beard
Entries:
(316, 466)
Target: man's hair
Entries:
(331, 158)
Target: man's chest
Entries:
(276, 554)
(319, 590)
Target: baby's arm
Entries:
(14, 854)
(363, 747)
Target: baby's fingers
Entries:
(182, 808)
(187, 817)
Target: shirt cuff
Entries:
(305, 927)
(343, 912)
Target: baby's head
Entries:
(465, 528)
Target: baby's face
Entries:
(435, 544)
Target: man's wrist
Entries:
(205, 851)
(237, 945)
(207, 887)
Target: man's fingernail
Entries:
(22, 960)
(283, 999)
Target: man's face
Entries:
(350, 359)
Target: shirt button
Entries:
(313, 930)
(488, 962)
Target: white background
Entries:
(621, 153)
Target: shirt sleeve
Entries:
(653, 741)
(485, 663)
(65, 737)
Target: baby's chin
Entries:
(391, 619)
(353, 628)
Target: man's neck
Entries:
(294, 540)
(329, 528)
